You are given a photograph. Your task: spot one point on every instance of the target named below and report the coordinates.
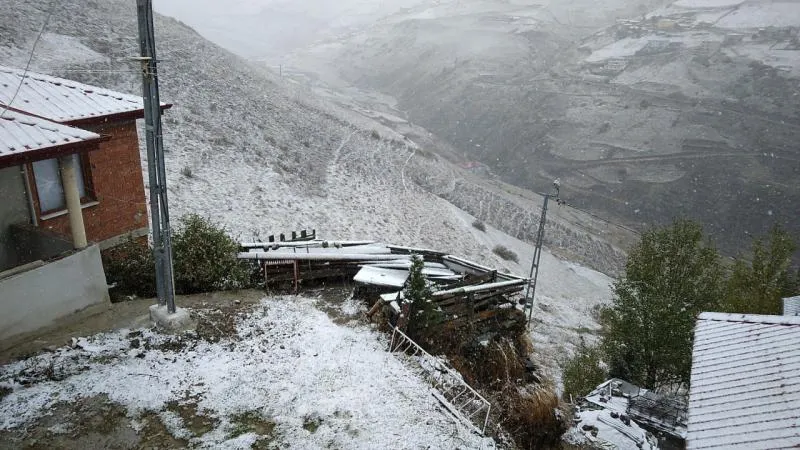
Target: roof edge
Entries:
(750, 318)
(116, 117)
(16, 159)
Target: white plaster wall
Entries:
(39, 297)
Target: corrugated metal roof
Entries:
(745, 387)
(791, 306)
(22, 136)
(59, 99)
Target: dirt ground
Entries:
(132, 314)
(97, 422)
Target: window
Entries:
(47, 174)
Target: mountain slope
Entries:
(680, 110)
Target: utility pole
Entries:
(537, 252)
(159, 210)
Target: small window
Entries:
(47, 174)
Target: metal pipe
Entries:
(479, 288)
(279, 256)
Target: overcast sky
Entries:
(271, 28)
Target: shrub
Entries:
(375, 135)
(131, 267)
(583, 372)
(204, 258)
(478, 225)
(533, 417)
(187, 172)
(505, 253)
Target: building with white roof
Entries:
(70, 187)
(745, 385)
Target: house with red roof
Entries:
(71, 186)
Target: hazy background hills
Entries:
(646, 110)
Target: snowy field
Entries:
(317, 384)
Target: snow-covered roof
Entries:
(61, 100)
(661, 412)
(791, 306)
(26, 138)
(611, 431)
(745, 386)
(381, 277)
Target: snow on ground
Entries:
(252, 201)
(701, 4)
(786, 60)
(619, 49)
(628, 47)
(766, 14)
(288, 362)
(609, 429)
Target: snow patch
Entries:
(288, 361)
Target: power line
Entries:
(30, 57)
(602, 219)
(57, 69)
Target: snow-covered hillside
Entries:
(261, 155)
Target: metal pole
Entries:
(159, 210)
(537, 256)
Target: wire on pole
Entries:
(30, 57)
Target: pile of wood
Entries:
(465, 292)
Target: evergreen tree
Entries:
(423, 311)
(671, 275)
(757, 287)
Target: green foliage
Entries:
(671, 276)
(584, 371)
(505, 253)
(131, 269)
(757, 287)
(204, 258)
(423, 312)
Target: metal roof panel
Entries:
(745, 386)
(22, 135)
(61, 100)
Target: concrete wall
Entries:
(38, 297)
(13, 210)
